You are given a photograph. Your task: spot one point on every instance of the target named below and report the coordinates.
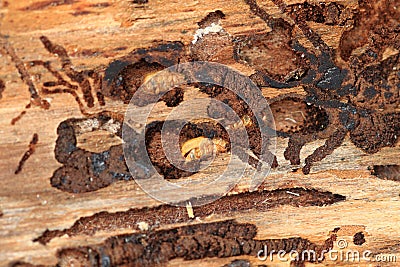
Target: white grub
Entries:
(88, 125)
(112, 126)
(143, 226)
(189, 210)
(213, 28)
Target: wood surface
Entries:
(30, 205)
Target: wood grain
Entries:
(94, 33)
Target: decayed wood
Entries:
(108, 31)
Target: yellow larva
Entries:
(201, 146)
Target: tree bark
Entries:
(96, 33)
